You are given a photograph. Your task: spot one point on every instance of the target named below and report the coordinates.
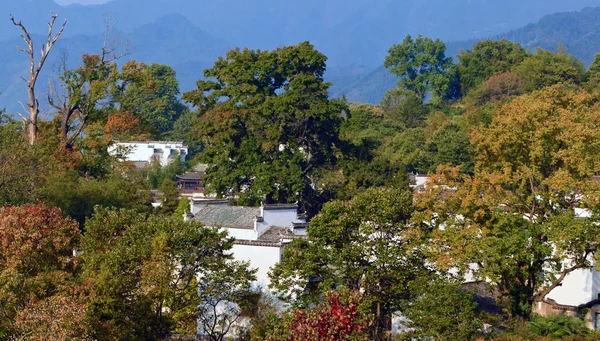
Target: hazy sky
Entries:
(83, 2)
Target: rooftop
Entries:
(277, 233)
(228, 216)
(190, 176)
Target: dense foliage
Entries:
(508, 138)
(267, 124)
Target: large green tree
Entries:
(422, 66)
(547, 68)
(487, 58)
(143, 272)
(151, 92)
(266, 123)
(360, 244)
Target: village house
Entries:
(143, 153)
(260, 233)
(190, 183)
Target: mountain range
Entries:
(355, 34)
(578, 30)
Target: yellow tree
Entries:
(528, 216)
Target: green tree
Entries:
(182, 207)
(266, 123)
(362, 133)
(455, 319)
(517, 217)
(547, 68)
(404, 108)
(156, 174)
(183, 131)
(487, 58)
(170, 196)
(77, 196)
(83, 95)
(143, 272)
(359, 244)
(406, 149)
(21, 166)
(151, 92)
(422, 66)
(448, 145)
(593, 72)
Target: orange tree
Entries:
(528, 216)
(37, 279)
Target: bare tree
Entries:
(34, 70)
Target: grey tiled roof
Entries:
(228, 216)
(276, 233)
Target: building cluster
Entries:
(261, 233)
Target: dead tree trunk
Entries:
(34, 71)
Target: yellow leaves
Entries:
(550, 133)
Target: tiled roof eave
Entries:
(265, 243)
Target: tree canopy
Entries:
(266, 123)
(421, 65)
(360, 244)
(488, 57)
(519, 217)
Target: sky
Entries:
(83, 2)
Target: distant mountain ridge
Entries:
(579, 31)
(190, 34)
(348, 31)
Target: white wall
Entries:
(578, 287)
(279, 217)
(145, 151)
(243, 234)
(260, 257)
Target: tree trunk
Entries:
(34, 111)
(34, 71)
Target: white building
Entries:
(260, 232)
(142, 153)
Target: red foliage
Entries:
(125, 126)
(338, 320)
(37, 272)
(36, 238)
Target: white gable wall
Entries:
(260, 257)
(279, 217)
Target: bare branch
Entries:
(34, 71)
(112, 43)
(541, 295)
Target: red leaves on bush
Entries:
(340, 319)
